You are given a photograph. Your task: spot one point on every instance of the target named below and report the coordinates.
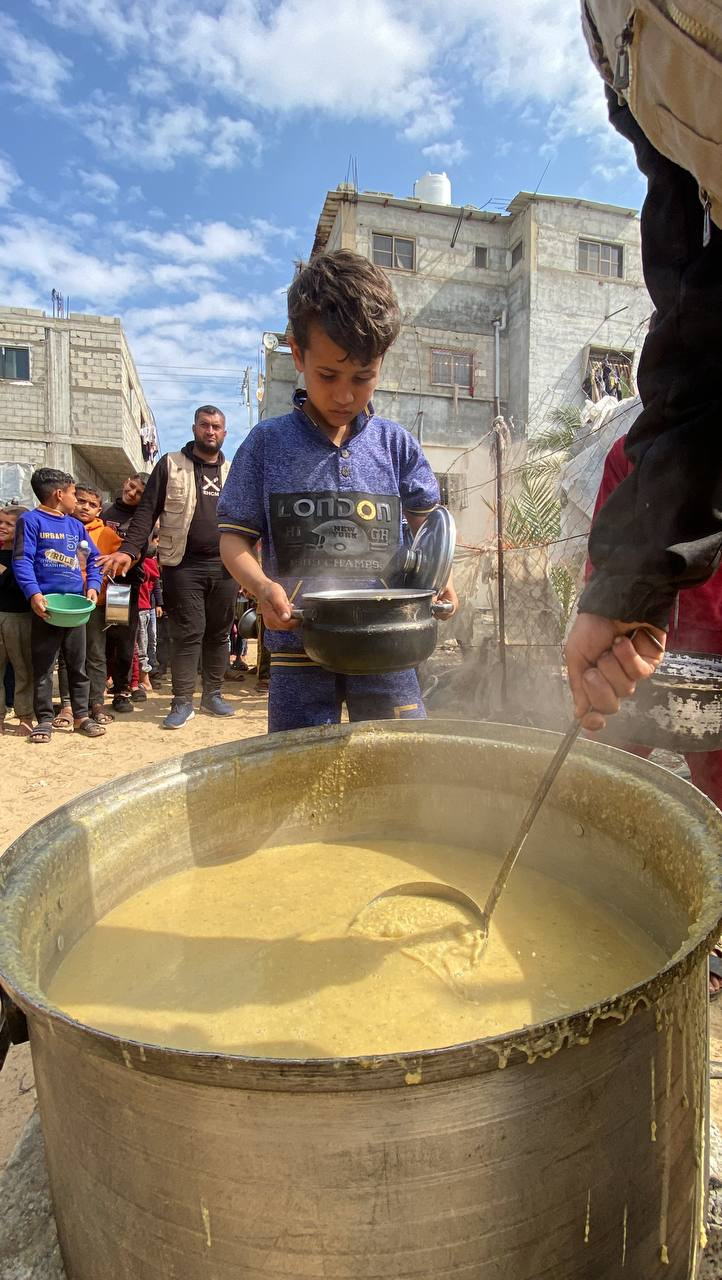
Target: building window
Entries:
(608, 373)
(452, 369)
(393, 251)
(453, 490)
(15, 363)
(481, 256)
(601, 259)
(517, 252)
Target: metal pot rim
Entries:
(368, 595)
(378, 1071)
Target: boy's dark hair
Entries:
(210, 409)
(141, 477)
(89, 488)
(352, 301)
(46, 480)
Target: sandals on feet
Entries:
(64, 718)
(90, 728)
(40, 733)
(100, 715)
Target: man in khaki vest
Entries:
(198, 592)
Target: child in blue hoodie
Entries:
(45, 559)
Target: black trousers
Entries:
(95, 661)
(46, 644)
(120, 643)
(198, 598)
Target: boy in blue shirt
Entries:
(325, 488)
(45, 559)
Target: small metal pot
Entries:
(369, 632)
(117, 605)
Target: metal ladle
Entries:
(482, 915)
(448, 892)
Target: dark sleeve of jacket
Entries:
(157, 594)
(661, 529)
(149, 509)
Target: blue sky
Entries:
(166, 160)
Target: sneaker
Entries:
(139, 694)
(180, 713)
(215, 705)
(123, 703)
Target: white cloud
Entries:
(83, 219)
(9, 179)
(446, 152)
(49, 257)
(160, 138)
(99, 186)
(34, 70)
(204, 242)
(304, 56)
(107, 17)
(149, 82)
(211, 307)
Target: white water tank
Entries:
(433, 188)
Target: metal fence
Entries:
(520, 585)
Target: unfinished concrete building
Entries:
(70, 397)
(517, 308)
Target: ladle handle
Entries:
(442, 609)
(537, 800)
(297, 614)
(540, 796)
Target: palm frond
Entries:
(560, 437)
(533, 516)
(566, 588)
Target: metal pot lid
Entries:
(430, 557)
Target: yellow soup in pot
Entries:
(277, 954)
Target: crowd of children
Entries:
(55, 549)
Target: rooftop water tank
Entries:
(433, 188)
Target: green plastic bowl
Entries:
(67, 610)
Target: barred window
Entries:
(601, 259)
(481, 256)
(517, 252)
(452, 369)
(15, 363)
(453, 490)
(393, 251)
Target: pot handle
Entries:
(13, 1026)
(442, 609)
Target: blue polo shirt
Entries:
(327, 515)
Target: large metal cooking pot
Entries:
(573, 1150)
(678, 709)
(369, 631)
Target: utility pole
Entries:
(246, 394)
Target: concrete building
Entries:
(70, 397)
(511, 307)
